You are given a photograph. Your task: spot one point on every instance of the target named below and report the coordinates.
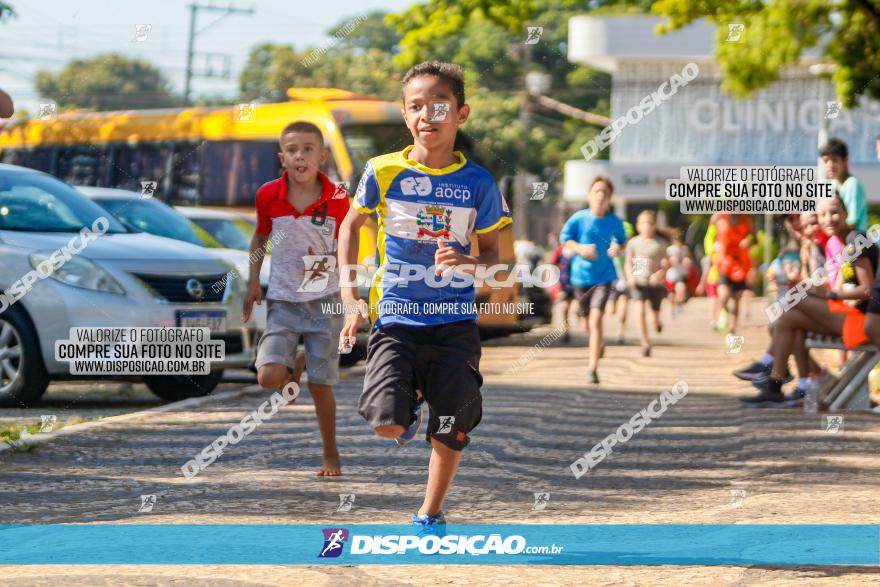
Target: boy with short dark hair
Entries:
(425, 345)
(302, 212)
(595, 235)
(835, 161)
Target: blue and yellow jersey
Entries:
(416, 205)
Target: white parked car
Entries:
(121, 279)
(156, 217)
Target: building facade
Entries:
(701, 124)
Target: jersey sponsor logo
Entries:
(453, 192)
(415, 186)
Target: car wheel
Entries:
(23, 377)
(173, 388)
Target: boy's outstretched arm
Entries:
(349, 239)
(255, 264)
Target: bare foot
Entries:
(331, 467)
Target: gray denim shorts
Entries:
(287, 321)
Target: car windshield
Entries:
(152, 217)
(234, 234)
(31, 201)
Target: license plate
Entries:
(216, 321)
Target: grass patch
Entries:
(11, 432)
(16, 434)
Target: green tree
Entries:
(372, 33)
(489, 43)
(435, 21)
(778, 32)
(6, 11)
(107, 82)
(254, 79)
(272, 69)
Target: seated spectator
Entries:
(839, 311)
(811, 256)
(812, 245)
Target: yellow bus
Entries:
(219, 156)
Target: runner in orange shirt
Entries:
(734, 263)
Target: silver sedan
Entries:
(120, 279)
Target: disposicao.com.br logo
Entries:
(402, 544)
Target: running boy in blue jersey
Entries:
(424, 346)
(594, 235)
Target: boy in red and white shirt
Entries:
(301, 212)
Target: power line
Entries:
(190, 51)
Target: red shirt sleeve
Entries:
(264, 221)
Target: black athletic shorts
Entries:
(734, 286)
(653, 293)
(593, 296)
(442, 361)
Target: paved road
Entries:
(537, 419)
(72, 401)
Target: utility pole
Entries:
(193, 33)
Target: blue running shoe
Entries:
(430, 525)
(413, 429)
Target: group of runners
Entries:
(603, 260)
(424, 367)
(420, 366)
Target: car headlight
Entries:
(78, 272)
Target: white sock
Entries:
(767, 359)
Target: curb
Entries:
(76, 428)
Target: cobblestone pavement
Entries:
(71, 401)
(682, 468)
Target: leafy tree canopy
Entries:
(107, 82)
(777, 33)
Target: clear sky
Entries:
(48, 33)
